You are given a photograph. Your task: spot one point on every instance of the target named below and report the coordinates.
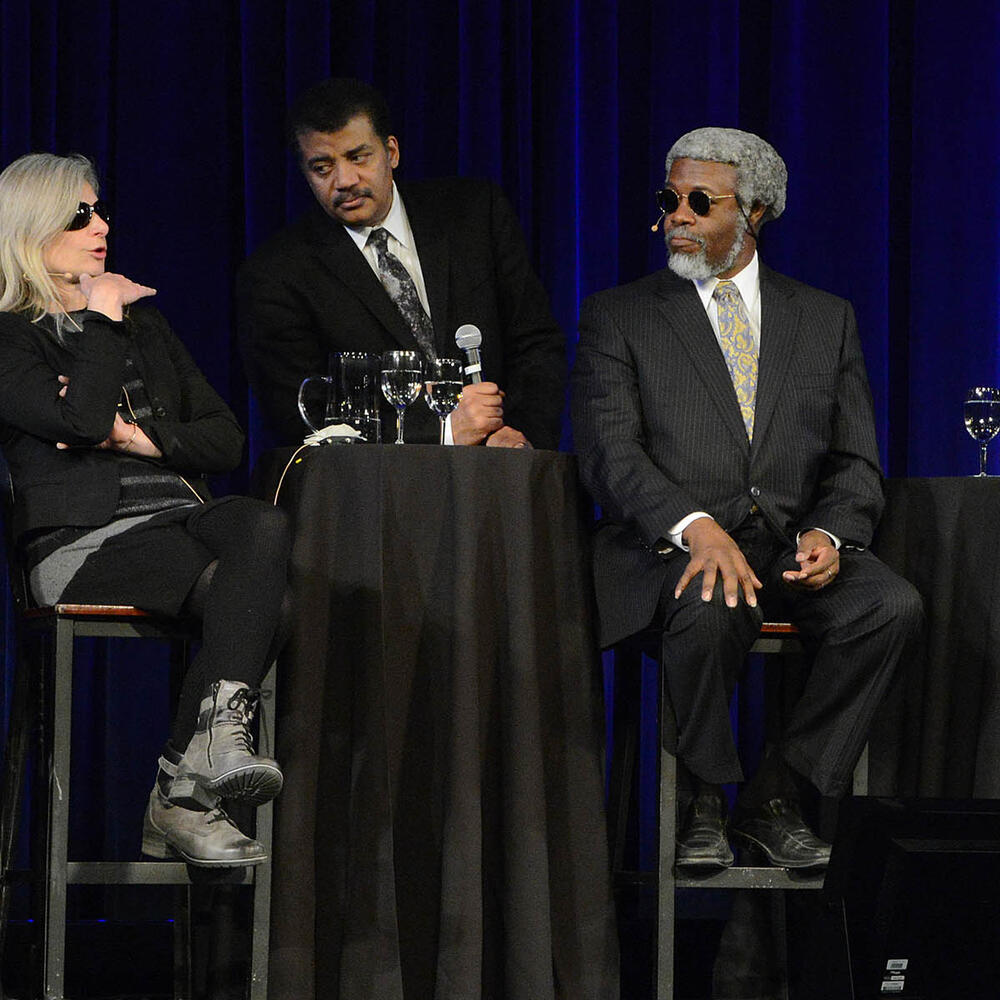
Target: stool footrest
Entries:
(737, 877)
(752, 878)
(148, 873)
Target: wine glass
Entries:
(443, 387)
(982, 419)
(402, 377)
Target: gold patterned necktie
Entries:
(738, 347)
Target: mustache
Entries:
(350, 195)
(685, 233)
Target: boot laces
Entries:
(218, 815)
(244, 700)
(243, 703)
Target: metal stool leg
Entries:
(183, 985)
(54, 920)
(665, 878)
(260, 931)
(861, 773)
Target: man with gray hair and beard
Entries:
(725, 427)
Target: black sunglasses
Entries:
(85, 212)
(700, 202)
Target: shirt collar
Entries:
(747, 281)
(396, 224)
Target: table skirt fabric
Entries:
(938, 735)
(441, 831)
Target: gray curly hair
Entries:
(761, 174)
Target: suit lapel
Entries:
(339, 255)
(432, 250)
(683, 311)
(779, 320)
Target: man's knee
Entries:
(712, 623)
(905, 607)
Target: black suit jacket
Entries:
(190, 423)
(660, 434)
(309, 291)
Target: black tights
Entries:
(241, 599)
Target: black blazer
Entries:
(660, 435)
(309, 291)
(190, 424)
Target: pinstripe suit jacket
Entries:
(659, 431)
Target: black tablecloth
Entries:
(939, 734)
(441, 830)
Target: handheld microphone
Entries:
(656, 225)
(468, 338)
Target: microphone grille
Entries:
(468, 336)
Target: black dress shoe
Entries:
(702, 843)
(779, 830)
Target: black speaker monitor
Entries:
(916, 886)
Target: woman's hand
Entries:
(123, 437)
(131, 438)
(108, 293)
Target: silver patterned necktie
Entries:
(739, 348)
(397, 282)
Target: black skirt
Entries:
(153, 565)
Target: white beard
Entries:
(697, 266)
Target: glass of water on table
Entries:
(443, 387)
(402, 378)
(982, 419)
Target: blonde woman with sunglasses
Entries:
(108, 429)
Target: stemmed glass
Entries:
(982, 419)
(443, 386)
(402, 376)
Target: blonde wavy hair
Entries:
(39, 195)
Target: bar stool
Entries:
(43, 700)
(775, 638)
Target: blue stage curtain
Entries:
(884, 110)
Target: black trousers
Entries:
(855, 630)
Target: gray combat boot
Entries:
(203, 836)
(220, 760)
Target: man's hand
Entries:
(478, 414)
(818, 559)
(507, 437)
(713, 552)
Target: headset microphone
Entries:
(656, 225)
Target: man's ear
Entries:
(392, 145)
(757, 217)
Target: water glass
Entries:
(443, 387)
(982, 418)
(402, 378)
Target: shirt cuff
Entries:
(676, 532)
(833, 538)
